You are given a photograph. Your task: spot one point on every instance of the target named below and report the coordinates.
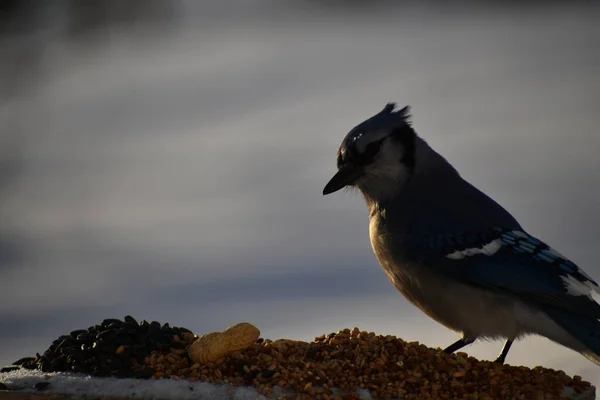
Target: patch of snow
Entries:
(24, 380)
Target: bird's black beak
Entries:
(345, 176)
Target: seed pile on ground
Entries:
(350, 359)
(333, 366)
(112, 348)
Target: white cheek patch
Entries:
(488, 250)
(576, 287)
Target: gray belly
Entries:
(462, 308)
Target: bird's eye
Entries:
(372, 149)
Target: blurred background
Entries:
(165, 159)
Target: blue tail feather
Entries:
(584, 329)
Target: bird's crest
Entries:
(378, 127)
(402, 115)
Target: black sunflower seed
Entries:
(24, 360)
(94, 350)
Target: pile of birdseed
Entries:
(335, 366)
(112, 348)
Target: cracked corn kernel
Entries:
(336, 365)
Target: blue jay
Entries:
(454, 252)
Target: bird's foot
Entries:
(502, 356)
(459, 344)
(499, 360)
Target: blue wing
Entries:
(511, 262)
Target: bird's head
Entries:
(377, 156)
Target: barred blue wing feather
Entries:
(512, 262)
(521, 242)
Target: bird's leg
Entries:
(504, 352)
(459, 344)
